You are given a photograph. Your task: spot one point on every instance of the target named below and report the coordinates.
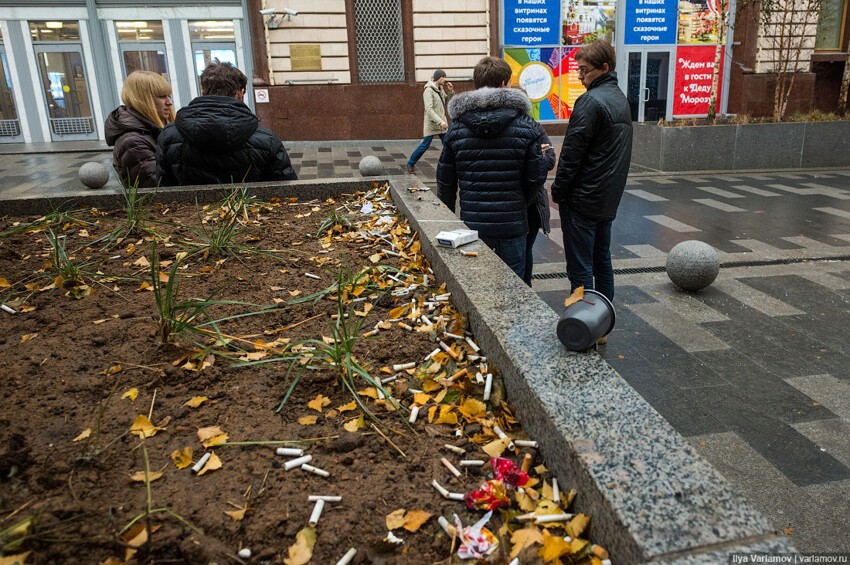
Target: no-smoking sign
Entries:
(261, 95)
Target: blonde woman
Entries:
(132, 129)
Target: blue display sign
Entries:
(651, 22)
(530, 23)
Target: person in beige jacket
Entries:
(438, 91)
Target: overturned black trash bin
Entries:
(585, 321)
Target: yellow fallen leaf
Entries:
(112, 370)
(254, 355)
(496, 448)
(421, 398)
(145, 286)
(526, 537)
(577, 525)
(447, 415)
(26, 337)
(308, 420)
(139, 476)
(318, 404)
(395, 519)
(355, 424)
(415, 519)
(576, 296)
(398, 312)
(143, 428)
(367, 307)
(17, 559)
(371, 392)
(348, 407)
(195, 401)
(431, 385)
(4, 283)
(211, 436)
(212, 464)
(182, 458)
(301, 551)
(142, 262)
(553, 547)
(472, 408)
(238, 514)
(83, 435)
(294, 293)
(375, 258)
(132, 394)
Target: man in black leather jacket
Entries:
(592, 170)
(492, 155)
(216, 139)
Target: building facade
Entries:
(354, 69)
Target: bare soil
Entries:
(78, 346)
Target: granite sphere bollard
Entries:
(371, 166)
(93, 174)
(692, 265)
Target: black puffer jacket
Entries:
(132, 137)
(597, 152)
(492, 155)
(218, 140)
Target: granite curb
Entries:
(651, 496)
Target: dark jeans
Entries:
(421, 149)
(511, 251)
(533, 227)
(587, 245)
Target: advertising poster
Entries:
(651, 22)
(550, 78)
(532, 22)
(692, 85)
(586, 20)
(698, 21)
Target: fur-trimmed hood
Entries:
(488, 111)
(489, 99)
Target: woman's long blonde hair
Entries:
(141, 89)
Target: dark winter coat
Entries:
(218, 140)
(540, 205)
(597, 152)
(132, 137)
(491, 155)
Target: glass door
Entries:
(10, 125)
(142, 46)
(648, 84)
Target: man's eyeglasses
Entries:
(585, 70)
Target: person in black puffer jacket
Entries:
(132, 129)
(592, 170)
(216, 139)
(491, 154)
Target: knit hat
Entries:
(438, 74)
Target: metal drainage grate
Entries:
(729, 265)
(72, 126)
(9, 128)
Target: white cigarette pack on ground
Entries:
(456, 238)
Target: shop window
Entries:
(54, 31)
(380, 40)
(831, 25)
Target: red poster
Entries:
(692, 86)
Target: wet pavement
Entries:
(754, 370)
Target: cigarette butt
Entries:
(453, 336)
(606, 562)
(317, 512)
(443, 492)
(448, 350)
(293, 463)
(525, 443)
(479, 358)
(456, 496)
(526, 517)
(404, 326)
(473, 345)
(414, 413)
(404, 366)
(388, 380)
(448, 528)
(290, 451)
(430, 355)
(425, 320)
(7, 309)
(526, 462)
(556, 493)
(326, 498)
(443, 297)
(479, 379)
(599, 551)
(201, 462)
(315, 471)
(349, 555)
(553, 518)
(370, 333)
(452, 469)
(455, 449)
(502, 435)
(312, 276)
(469, 253)
(472, 463)
(458, 375)
(488, 386)
(571, 497)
